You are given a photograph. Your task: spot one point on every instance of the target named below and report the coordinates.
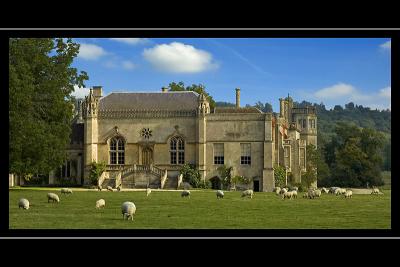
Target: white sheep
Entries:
(288, 195)
(295, 188)
(128, 210)
(66, 191)
(53, 197)
(109, 188)
(324, 190)
(317, 193)
(311, 193)
(148, 192)
(276, 189)
(340, 191)
(375, 191)
(333, 189)
(101, 203)
(185, 193)
(348, 194)
(283, 191)
(23, 203)
(294, 193)
(248, 193)
(220, 194)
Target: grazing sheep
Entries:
(311, 194)
(340, 191)
(185, 193)
(294, 193)
(288, 195)
(348, 194)
(324, 190)
(109, 188)
(375, 191)
(295, 188)
(101, 203)
(99, 187)
(248, 193)
(220, 194)
(333, 189)
(283, 191)
(66, 191)
(128, 209)
(148, 192)
(53, 197)
(317, 193)
(23, 203)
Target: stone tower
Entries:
(90, 108)
(202, 109)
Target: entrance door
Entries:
(147, 156)
(256, 186)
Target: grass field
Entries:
(167, 210)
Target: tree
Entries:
(310, 175)
(191, 175)
(267, 107)
(41, 81)
(280, 176)
(225, 175)
(198, 88)
(96, 170)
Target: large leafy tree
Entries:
(198, 88)
(41, 81)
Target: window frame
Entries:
(116, 150)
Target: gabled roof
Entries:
(182, 100)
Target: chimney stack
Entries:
(165, 89)
(98, 91)
(237, 97)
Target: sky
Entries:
(334, 71)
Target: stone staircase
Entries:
(141, 176)
(171, 183)
(108, 182)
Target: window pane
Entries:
(113, 158)
(181, 144)
(173, 158)
(181, 157)
(245, 149)
(219, 160)
(218, 150)
(121, 158)
(121, 144)
(173, 144)
(245, 160)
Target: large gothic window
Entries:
(117, 151)
(177, 150)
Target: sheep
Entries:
(340, 191)
(128, 210)
(53, 197)
(185, 193)
(305, 195)
(66, 191)
(248, 193)
(99, 188)
(148, 192)
(295, 188)
(283, 191)
(311, 194)
(23, 203)
(288, 195)
(375, 191)
(333, 189)
(317, 193)
(348, 194)
(276, 189)
(324, 190)
(220, 194)
(109, 188)
(294, 193)
(101, 203)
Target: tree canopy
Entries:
(41, 81)
(198, 88)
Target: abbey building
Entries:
(146, 137)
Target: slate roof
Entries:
(150, 101)
(236, 110)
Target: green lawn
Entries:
(167, 210)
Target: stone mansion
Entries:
(146, 137)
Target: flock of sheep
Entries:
(128, 208)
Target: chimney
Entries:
(165, 89)
(97, 91)
(237, 97)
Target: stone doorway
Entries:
(216, 183)
(147, 156)
(256, 186)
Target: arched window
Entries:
(117, 151)
(177, 150)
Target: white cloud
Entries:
(335, 91)
(91, 51)
(131, 41)
(179, 58)
(387, 45)
(80, 92)
(386, 92)
(128, 65)
(341, 94)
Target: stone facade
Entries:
(143, 137)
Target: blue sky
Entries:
(328, 70)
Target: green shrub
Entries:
(96, 170)
(280, 176)
(191, 175)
